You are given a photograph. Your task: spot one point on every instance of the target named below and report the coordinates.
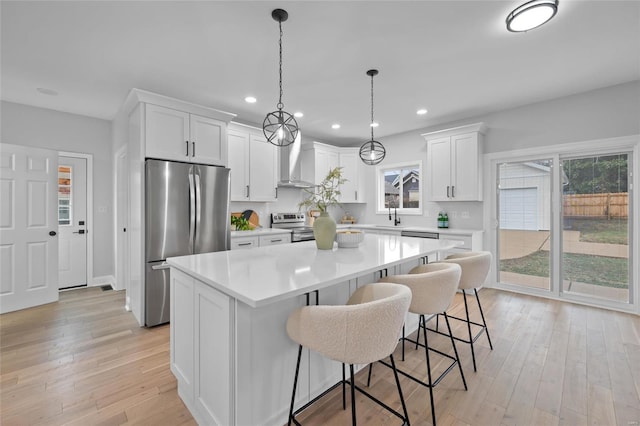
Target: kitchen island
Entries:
(230, 352)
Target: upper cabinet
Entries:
(254, 164)
(318, 159)
(177, 135)
(454, 163)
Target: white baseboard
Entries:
(103, 280)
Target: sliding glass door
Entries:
(524, 226)
(565, 226)
(596, 227)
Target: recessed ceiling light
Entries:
(421, 111)
(531, 15)
(374, 124)
(250, 100)
(335, 126)
(46, 91)
(298, 114)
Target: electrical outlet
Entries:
(465, 215)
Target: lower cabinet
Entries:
(259, 241)
(201, 356)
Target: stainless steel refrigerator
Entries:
(187, 212)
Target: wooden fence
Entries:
(612, 205)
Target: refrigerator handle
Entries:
(192, 210)
(198, 203)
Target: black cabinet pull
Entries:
(187, 142)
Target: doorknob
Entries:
(52, 233)
(79, 232)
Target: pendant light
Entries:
(531, 15)
(372, 152)
(279, 127)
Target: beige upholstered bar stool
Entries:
(475, 268)
(433, 287)
(363, 331)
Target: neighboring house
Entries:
(524, 196)
(410, 189)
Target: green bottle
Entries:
(445, 220)
(440, 220)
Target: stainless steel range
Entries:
(295, 222)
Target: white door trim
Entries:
(121, 269)
(90, 228)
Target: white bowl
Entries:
(349, 239)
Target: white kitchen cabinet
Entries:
(177, 135)
(318, 159)
(351, 191)
(254, 165)
(272, 240)
(181, 336)
(244, 242)
(454, 163)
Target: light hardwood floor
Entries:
(84, 361)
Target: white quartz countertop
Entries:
(265, 275)
(443, 231)
(260, 231)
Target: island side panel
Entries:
(265, 363)
(201, 341)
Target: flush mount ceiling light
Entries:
(372, 152)
(250, 100)
(279, 127)
(531, 15)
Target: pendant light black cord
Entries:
(280, 104)
(372, 106)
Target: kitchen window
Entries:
(399, 186)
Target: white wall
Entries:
(603, 113)
(44, 128)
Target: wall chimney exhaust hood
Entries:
(290, 166)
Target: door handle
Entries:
(163, 265)
(82, 231)
(52, 233)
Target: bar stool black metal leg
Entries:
(404, 406)
(426, 350)
(466, 309)
(295, 384)
(437, 321)
(455, 351)
(344, 397)
(369, 375)
(403, 341)
(420, 321)
(486, 330)
(353, 396)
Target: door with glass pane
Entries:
(596, 227)
(524, 225)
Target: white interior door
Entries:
(72, 221)
(28, 227)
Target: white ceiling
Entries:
(454, 58)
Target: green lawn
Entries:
(614, 231)
(597, 270)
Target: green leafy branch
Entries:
(326, 193)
